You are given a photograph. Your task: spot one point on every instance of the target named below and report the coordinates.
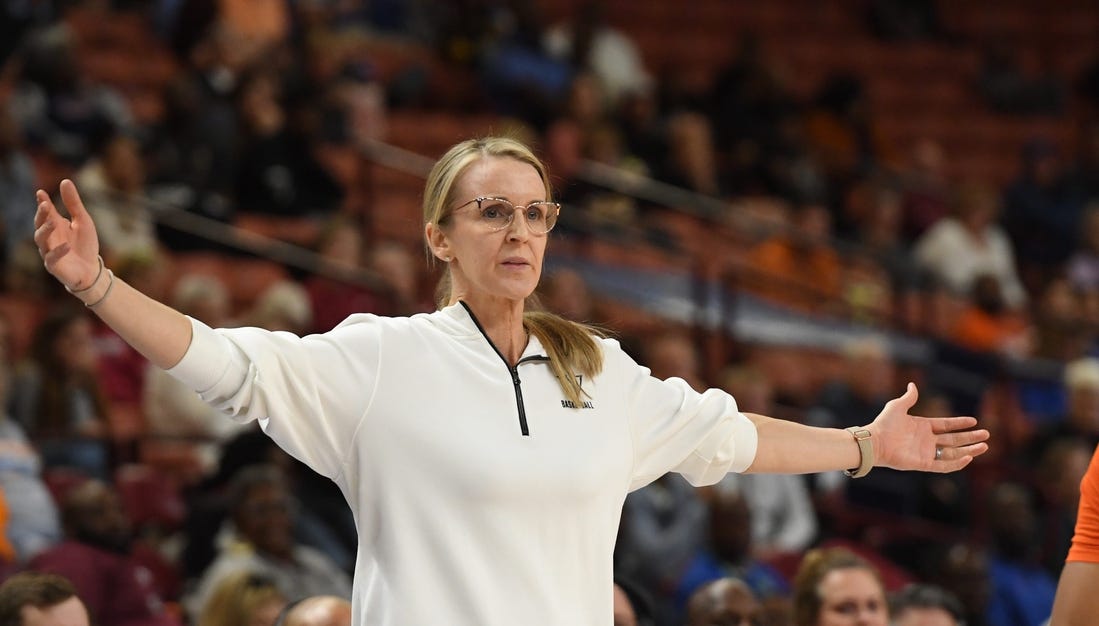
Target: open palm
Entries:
(69, 247)
(909, 442)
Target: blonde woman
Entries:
(485, 449)
(243, 599)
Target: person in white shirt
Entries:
(485, 449)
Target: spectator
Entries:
(114, 188)
(331, 299)
(729, 553)
(959, 249)
(1081, 418)
(279, 173)
(33, 523)
(282, 306)
(782, 515)
(589, 43)
(243, 599)
(989, 324)
(833, 585)
(176, 414)
(35, 599)
(261, 541)
(17, 180)
(1022, 591)
(927, 190)
(1041, 212)
(800, 268)
(96, 555)
(57, 397)
(397, 265)
(925, 605)
(317, 611)
(724, 601)
(1083, 265)
(57, 105)
(963, 568)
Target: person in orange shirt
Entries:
(800, 268)
(1075, 601)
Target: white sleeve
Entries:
(702, 436)
(309, 393)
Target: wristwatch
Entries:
(866, 451)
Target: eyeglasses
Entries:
(498, 213)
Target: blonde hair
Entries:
(570, 346)
(237, 597)
(817, 564)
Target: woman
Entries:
(836, 587)
(485, 449)
(243, 599)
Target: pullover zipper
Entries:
(514, 371)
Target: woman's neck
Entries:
(502, 321)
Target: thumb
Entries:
(908, 399)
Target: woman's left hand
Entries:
(930, 444)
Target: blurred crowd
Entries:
(256, 115)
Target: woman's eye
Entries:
(534, 215)
(492, 212)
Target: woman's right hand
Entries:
(69, 247)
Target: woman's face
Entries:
(501, 265)
(852, 597)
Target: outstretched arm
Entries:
(900, 441)
(70, 250)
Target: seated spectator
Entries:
(317, 611)
(331, 299)
(33, 523)
(783, 518)
(925, 605)
(35, 599)
(243, 599)
(834, 584)
(926, 195)
(961, 248)
(17, 182)
(1022, 590)
(59, 107)
(260, 540)
(799, 268)
(279, 173)
(395, 263)
(96, 556)
(112, 186)
(57, 398)
(988, 324)
(1007, 88)
(724, 601)
(172, 410)
(962, 567)
(1080, 420)
(284, 306)
(588, 43)
(1041, 213)
(1083, 266)
(729, 553)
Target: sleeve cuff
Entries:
(206, 360)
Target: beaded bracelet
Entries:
(91, 284)
(110, 285)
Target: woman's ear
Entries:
(438, 242)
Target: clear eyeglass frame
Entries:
(548, 213)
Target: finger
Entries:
(71, 197)
(953, 465)
(953, 459)
(948, 424)
(53, 256)
(964, 438)
(42, 235)
(45, 208)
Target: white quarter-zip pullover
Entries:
(481, 496)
